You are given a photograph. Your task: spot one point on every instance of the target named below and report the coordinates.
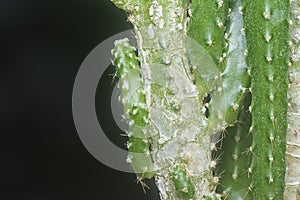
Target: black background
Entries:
(43, 44)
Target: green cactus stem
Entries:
(234, 83)
(267, 33)
(234, 99)
(183, 184)
(207, 27)
(233, 170)
(135, 109)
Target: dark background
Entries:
(43, 44)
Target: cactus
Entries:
(267, 59)
(135, 109)
(207, 27)
(235, 177)
(174, 100)
(187, 97)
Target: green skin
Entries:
(235, 179)
(234, 81)
(133, 98)
(268, 58)
(183, 184)
(207, 27)
(204, 27)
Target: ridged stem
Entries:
(267, 33)
(136, 111)
(233, 170)
(207, 27)
(234, 82)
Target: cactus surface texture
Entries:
(211, 95)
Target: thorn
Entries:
(271, 159)
(243, 31)
(269, 59)
(250, 110)
(271, 97)
(271, 138)
(268, 37)
(220, 24)
(237, 138)
(235, 107)
(129, 144)
(143, 184)
(270, 176)
(210, 43)
(267, 14)
(135, 111)
(249, 171)
(235, 156)
(131, 122)
(226, 37)
(271, 78)
(220, 4)
(234, 176)
(271, 180)
(241, 9)
(128, 160)
(272, 118)
(213, 147)
(213, 164)
(216, 179)
(249, 72)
